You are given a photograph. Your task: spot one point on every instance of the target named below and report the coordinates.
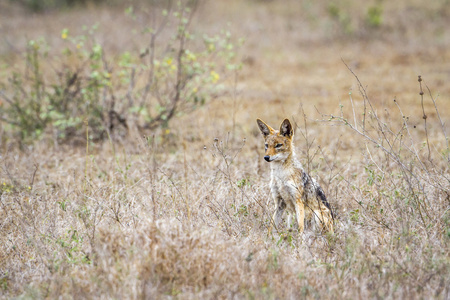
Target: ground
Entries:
(183, 211)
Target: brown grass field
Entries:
(182, 212)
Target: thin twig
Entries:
(363, 92)
(424, 117)
(353, 108)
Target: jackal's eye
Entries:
(278, 145)
(266, 146)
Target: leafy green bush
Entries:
(33, 105)
(173, 75)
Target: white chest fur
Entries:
(283, 185)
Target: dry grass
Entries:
(184, 214)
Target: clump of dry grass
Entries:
(146, 223)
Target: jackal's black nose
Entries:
(267, 158)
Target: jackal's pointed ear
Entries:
(265, 129)
(286, 129)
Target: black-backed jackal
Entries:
(292, 188)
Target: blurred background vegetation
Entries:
(46, 5)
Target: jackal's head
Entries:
(278, 143)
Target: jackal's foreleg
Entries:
(300, 214)
(278, 215)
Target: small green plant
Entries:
(243, 211)
(6, 188)
(354, 215)
(286, 236)
(341, 17)
(63, 204)
(4, 281)
(273, 260)
(374, 16)
(243, 182)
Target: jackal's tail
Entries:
(321, 196)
